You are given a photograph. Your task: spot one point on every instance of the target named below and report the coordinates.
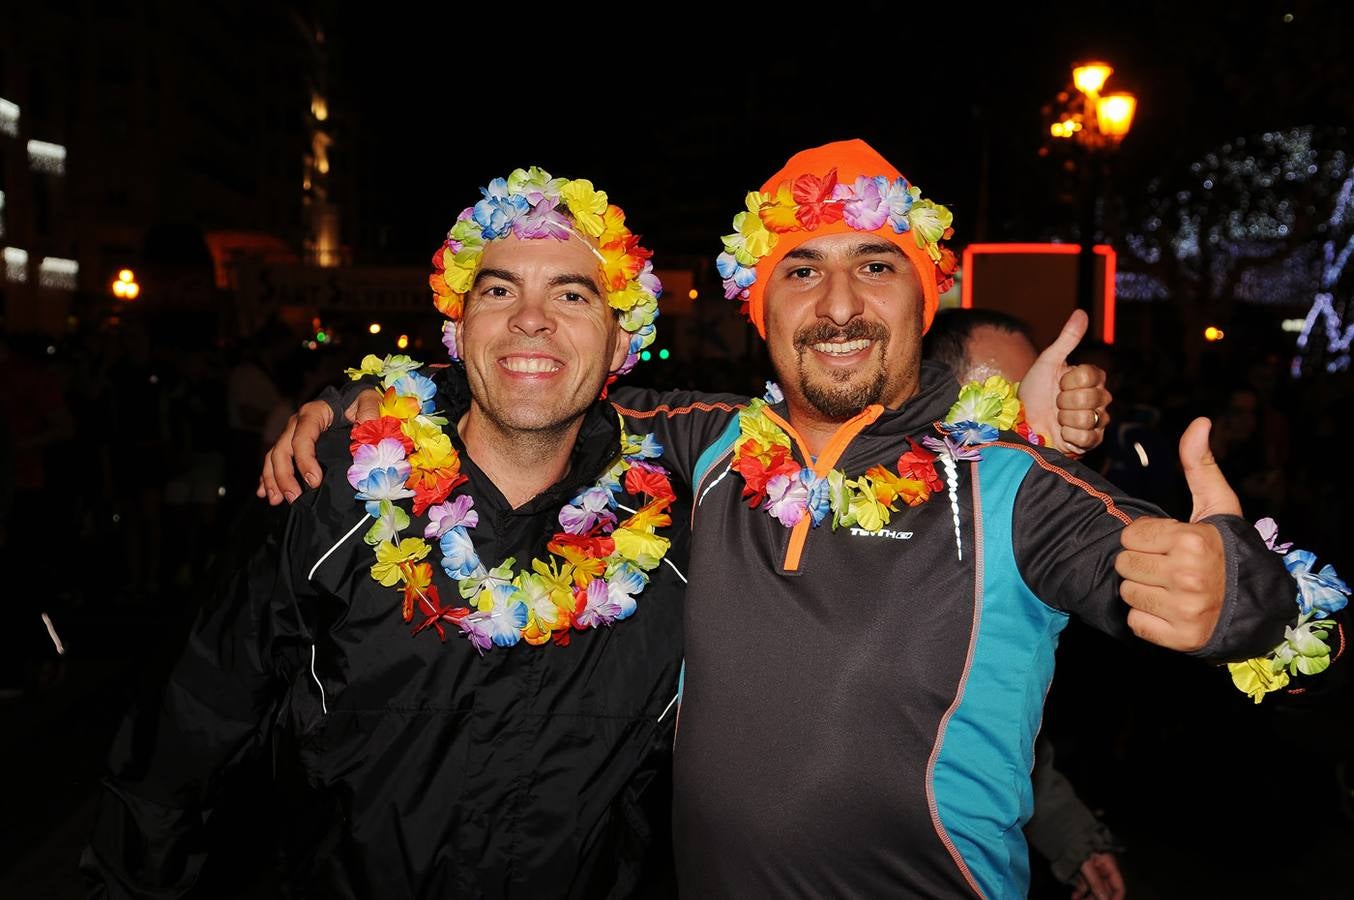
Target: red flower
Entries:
(919, 464)
(812, 194)
(377, 430)
(757, 473)
(946, 269)
(428, 494)
(434, 613)
(575, 546)
(643, 481)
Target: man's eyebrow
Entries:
(577, 278)
(874, 248)
(501, 274)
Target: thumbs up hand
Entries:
(1066, 403)
(1175, 576)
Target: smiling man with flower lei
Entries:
(447, 631)
(880, 572)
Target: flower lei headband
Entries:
(810, 201)
(531, 205)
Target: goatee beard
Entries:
(841, 395)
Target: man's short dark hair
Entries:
(947, 339)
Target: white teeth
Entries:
(841, 348)
(530, 365)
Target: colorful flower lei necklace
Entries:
(775, 482)
(1306, 645)
(597, 564)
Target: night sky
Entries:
(679, 119)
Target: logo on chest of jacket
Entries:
(884, 533)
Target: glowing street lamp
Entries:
(1096, 123)
(125, 286)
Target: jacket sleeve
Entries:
(685, 423)
(1065, 529)
(1062, 829)
(214, 714)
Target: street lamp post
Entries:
(1096, 123)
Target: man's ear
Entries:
(621, 349)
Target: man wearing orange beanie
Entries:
(880, 573)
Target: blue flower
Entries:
(819, 503)
(970, 433)
(773, 393)
(420, 386)
(737, 278)
(1319, 593)
(649, 448)
(899, 197)
(384, 484)
(459, 559)
(498, 210)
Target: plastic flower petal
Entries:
(586, 204)
(377, 430)
(817, 500)
(779, 213)
(459, 559)
(969, 433)
(385, 484)
(419, 386)
(1319, 593)
(787, 499)
(388, 453)
(1269, 531)
(929, 223)
(589, 509)
(390, 558)
(1257, 677)
(390, 521)
(452, 514)
(864, 207)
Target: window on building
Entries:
(16, 265)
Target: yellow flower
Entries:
(757, 425)
(993, 402)
(888, 487)
(558, 581)
(613, 226)
(459, 277)
(869, 513)
(626, 298)
(929, 223)
(371, 365)
(649, 517)
(586, 205)
(434, 452)
(396, 406)
(391, 560)
(1257, 677)
(778, 214)
(640, 545)
(753, 241)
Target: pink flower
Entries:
(866, 207)
(787, 498)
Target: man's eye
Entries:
(801, 272)
(573, 297)
(878, 268)
(496, 290)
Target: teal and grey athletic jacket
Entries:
(860, 707)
